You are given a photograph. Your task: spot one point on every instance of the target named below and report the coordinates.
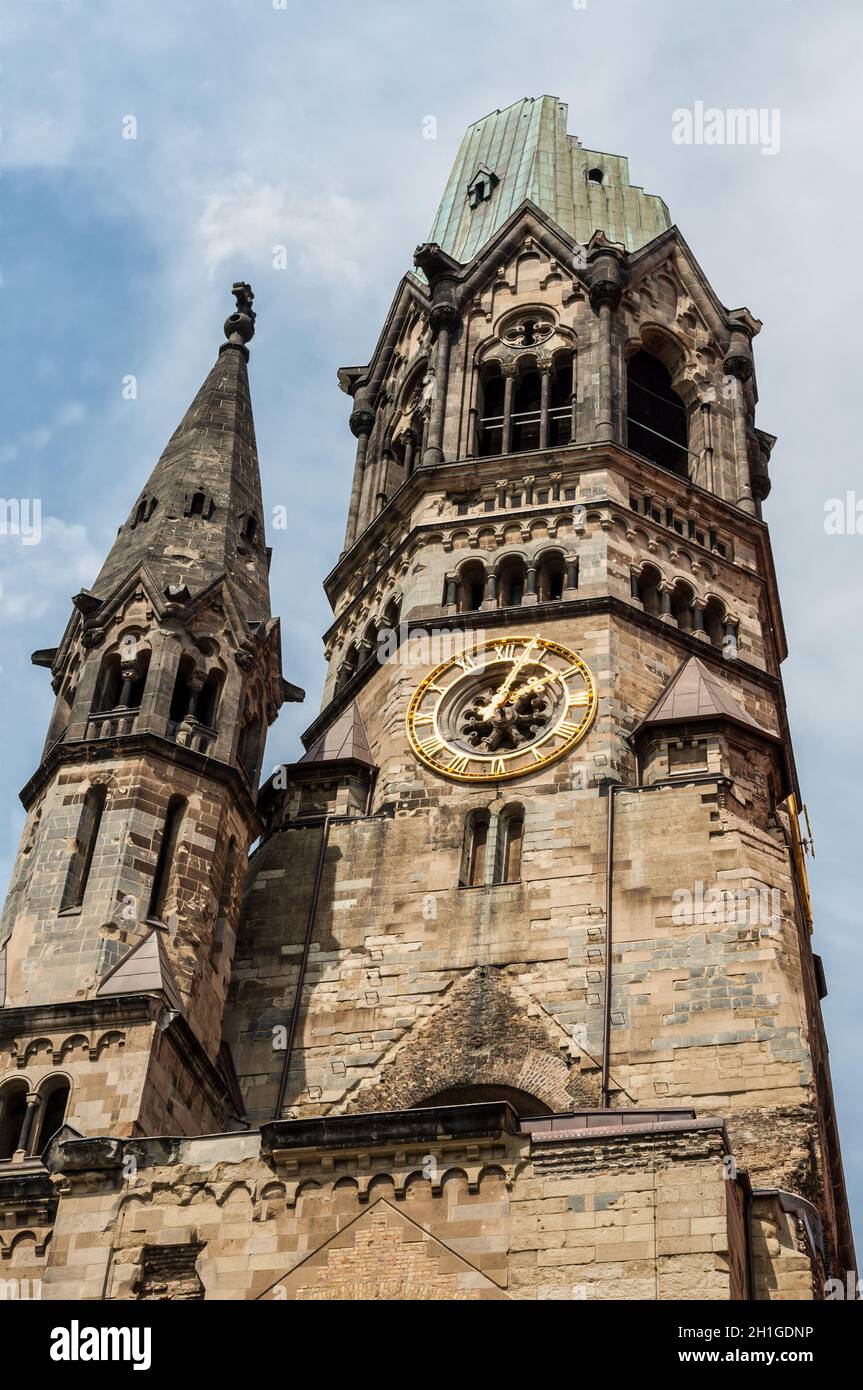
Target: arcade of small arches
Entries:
(364, 648)
(676, 601)
(511, 580)
(29, 1119)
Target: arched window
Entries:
(646, 585)
(78, 873)
(512, 578)
(249, 747)
(526, 402)
(248, 528)
(196, 506)
(657, 425)
(163, 876)
(208, 699)
(13, 1108)
(510, 833)
(474, 849)
(681, 605)
(491, 411)
(226, 898)
(714, 621)
(182, 693)
(140, 513)
(560, 400)
(348, 668)
(471, 587)
(551, 578)
(54, 1098)
(109, 684)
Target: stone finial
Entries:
(240, 326)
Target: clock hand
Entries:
(499, 697)
(532, 685)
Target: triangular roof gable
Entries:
(671, 251)
(145, 969)
(302, 1275)
(410, 288)
(695, 694)
(526, 220)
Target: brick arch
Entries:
(480, 1034)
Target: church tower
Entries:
(118, 933)
(519, 999)
(544, 843)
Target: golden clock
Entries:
(503, 709)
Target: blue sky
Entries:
(303, 126)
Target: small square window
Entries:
(461, 509)
(569, 494)
(488, 504)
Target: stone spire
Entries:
(200, 514)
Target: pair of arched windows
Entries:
(491, 852)
(29, 1121)
(194, 696)
(121, 682)
(86, 841)
(525, 412)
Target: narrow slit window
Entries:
(85, 846)
(164, 875)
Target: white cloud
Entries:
(246, 221)
(39, 579)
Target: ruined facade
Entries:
(516, 996)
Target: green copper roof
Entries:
(528, 150)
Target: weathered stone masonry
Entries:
(405, 1050)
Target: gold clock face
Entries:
(502, 710)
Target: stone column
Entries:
(530, 596)
(571, 582)
(508, 374)
(729, 642)
(490, 600)
(443, 319)
(26, 1128)
(607, 276)
(451, 599)
(129, 672)
(544, 393)
(410, 447)
(665, 603)
(361, 423)
(738, 364)
(698, 607)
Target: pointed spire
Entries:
(694, 693)
(344, 740)
(146, 969)
(200, 514)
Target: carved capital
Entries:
(361, 422)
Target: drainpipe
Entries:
(613, 788)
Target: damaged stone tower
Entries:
(519, 1000)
